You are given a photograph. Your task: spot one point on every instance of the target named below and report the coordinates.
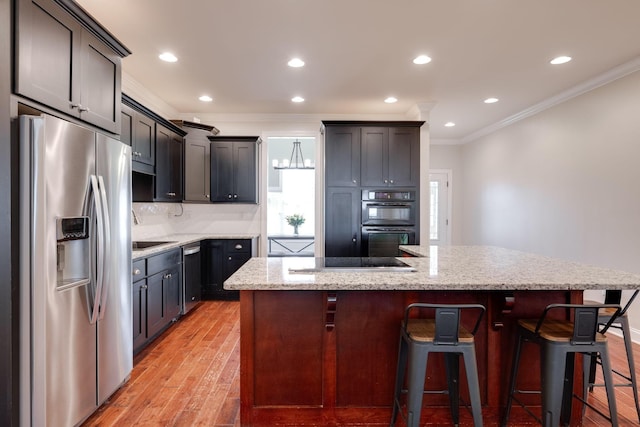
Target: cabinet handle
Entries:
(193, 298)
(235, 196)
(229, 196)
(136, 272)
(74, 105)
(238, 246)
(391, 181)
(386, 181)
(229, 258)
(83, 109)
(167, 276)
(144, 287)
(354, 181)
(171, 194)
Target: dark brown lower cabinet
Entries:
(157, 297)
(306, 359)
(222, 258)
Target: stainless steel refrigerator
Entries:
(75, 266)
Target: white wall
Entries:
(563, 183)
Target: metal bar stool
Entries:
(621, 322)
(442, 334)
(559, 341)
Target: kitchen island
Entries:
(320, 348)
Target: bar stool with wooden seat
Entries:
(559, 341)
(621, 322)
(442, 334)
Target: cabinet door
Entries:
(222, 172)
(197, 162)
(48, 46)
(172, 283)
(404, 156)
(175, 160)
(342, 156)
(244, 172)
(374, 170)
(144, 141)
(213, 269)
(342, 222)
(163, 164)
(100, 90)
(126, 124)
(139, 301)
(156, 316)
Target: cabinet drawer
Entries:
(239, 246)
(163, 261)
(139, 270)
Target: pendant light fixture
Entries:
(297, 160)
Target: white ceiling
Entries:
(358, 52)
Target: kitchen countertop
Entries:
(178, 240)
(444, 268)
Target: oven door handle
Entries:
(400, 230)
(387, 204)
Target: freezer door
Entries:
(115, 328)
(58, 351)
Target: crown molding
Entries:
(580, 89)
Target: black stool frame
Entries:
(415, 353)
(557, 363)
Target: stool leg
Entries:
(552, 358)
(400, 374)
(588, 376)
(452, 368)
(567, 393)
(624, 321)
(608, 382)
(471, 367)
(512, 381)
(418, 356)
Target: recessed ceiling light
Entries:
(391, 100)
(560, 60)
(297, 99)
(168, 57)
(491, 100)
(422, 59)
(449, 124)
(296, 63)
(205, 98)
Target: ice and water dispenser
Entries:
(73, 251)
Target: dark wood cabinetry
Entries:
(168, 186)
(66, 61)
(156, 153)
(223, 258)
(342, 216)
(234, 162)
(342, 156)
(197, 160)
(364, 155)
(157, 295)
(390, 157)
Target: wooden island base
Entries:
(329, 358)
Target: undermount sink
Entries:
(139, 245)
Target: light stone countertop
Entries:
(445, 268)
(178, 240)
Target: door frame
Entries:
(449, 205)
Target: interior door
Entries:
(439, 227)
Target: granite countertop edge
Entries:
(178, 240)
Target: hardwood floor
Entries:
(190, 377)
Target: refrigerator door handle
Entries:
(106, 247)
(97, 201)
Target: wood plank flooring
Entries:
(190, 377)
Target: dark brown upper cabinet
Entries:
(66, 61)
(234, 173)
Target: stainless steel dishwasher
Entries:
(192, 273)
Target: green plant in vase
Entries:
(295, 220)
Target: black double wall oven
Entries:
(389, 219)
